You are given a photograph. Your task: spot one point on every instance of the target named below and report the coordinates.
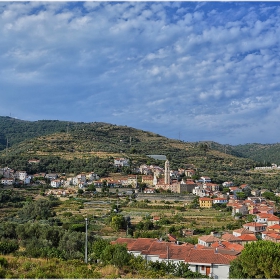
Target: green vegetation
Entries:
(258, 260)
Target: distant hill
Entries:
(16, 130)
(123, 138)
(67, 145)
(265, 154)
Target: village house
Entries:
(148, 179)
(121, 162)
(204, 179)
(21, 175)
(199, 191)
(211, 186)
(7, 172)
(7, 181)
(39, 175)
(255, 227)
(51, 176)
(92, 176)
(268, 219)
(231, 238)
(55, 183)
(235, 190)
(220, 200)
(247, 238)
(227, 184)
(205, 202)
(240, 209)
(207, 240)
(212, 262)
(190, 172)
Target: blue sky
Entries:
(192, 71)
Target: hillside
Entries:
(265, 154)
(76, 147)
(17, 131)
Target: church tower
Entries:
(167, 173)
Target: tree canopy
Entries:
(258, 260)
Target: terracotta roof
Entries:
(228, 245)
(248, 237)
(208, 256)
(274, 235)
(230, 237)
(208, 238)
(253, 224)
(128, 241)
(172, 238)
(167, 250)
(142, 244)
(277, 226)
(243, 231)
(205, 199)
(268, 216)
(273, 218)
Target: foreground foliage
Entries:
(258, 260)
(135, 267)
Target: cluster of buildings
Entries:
(10, 176)
(211, 261)
(273, 166)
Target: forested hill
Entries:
(265, 154)
(115, 139)
(16, 131)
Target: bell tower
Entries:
(167, 173)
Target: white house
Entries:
(121, 162)
(7, 181)
(92, 176)
(219, 200)
(22, 175)
(204, 179)
(199, 191)
(55, 183)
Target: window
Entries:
(202, 267)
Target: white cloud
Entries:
(213, 66)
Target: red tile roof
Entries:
(248, 237)
(208, 238)
(253, 224)
(243, 231)
(228, 245)
(273, 227)
(205, 199)
(128, 241)
(208, 256)
(230, 237)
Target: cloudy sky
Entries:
(192, 71)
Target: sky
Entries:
(192, 71)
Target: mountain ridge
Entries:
(123, 139)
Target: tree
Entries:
(258, 260)
(98, 247)
(40, 209)
(117, 222)
(116, 255)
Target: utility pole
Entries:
(86, 241)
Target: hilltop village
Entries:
(212, 254)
